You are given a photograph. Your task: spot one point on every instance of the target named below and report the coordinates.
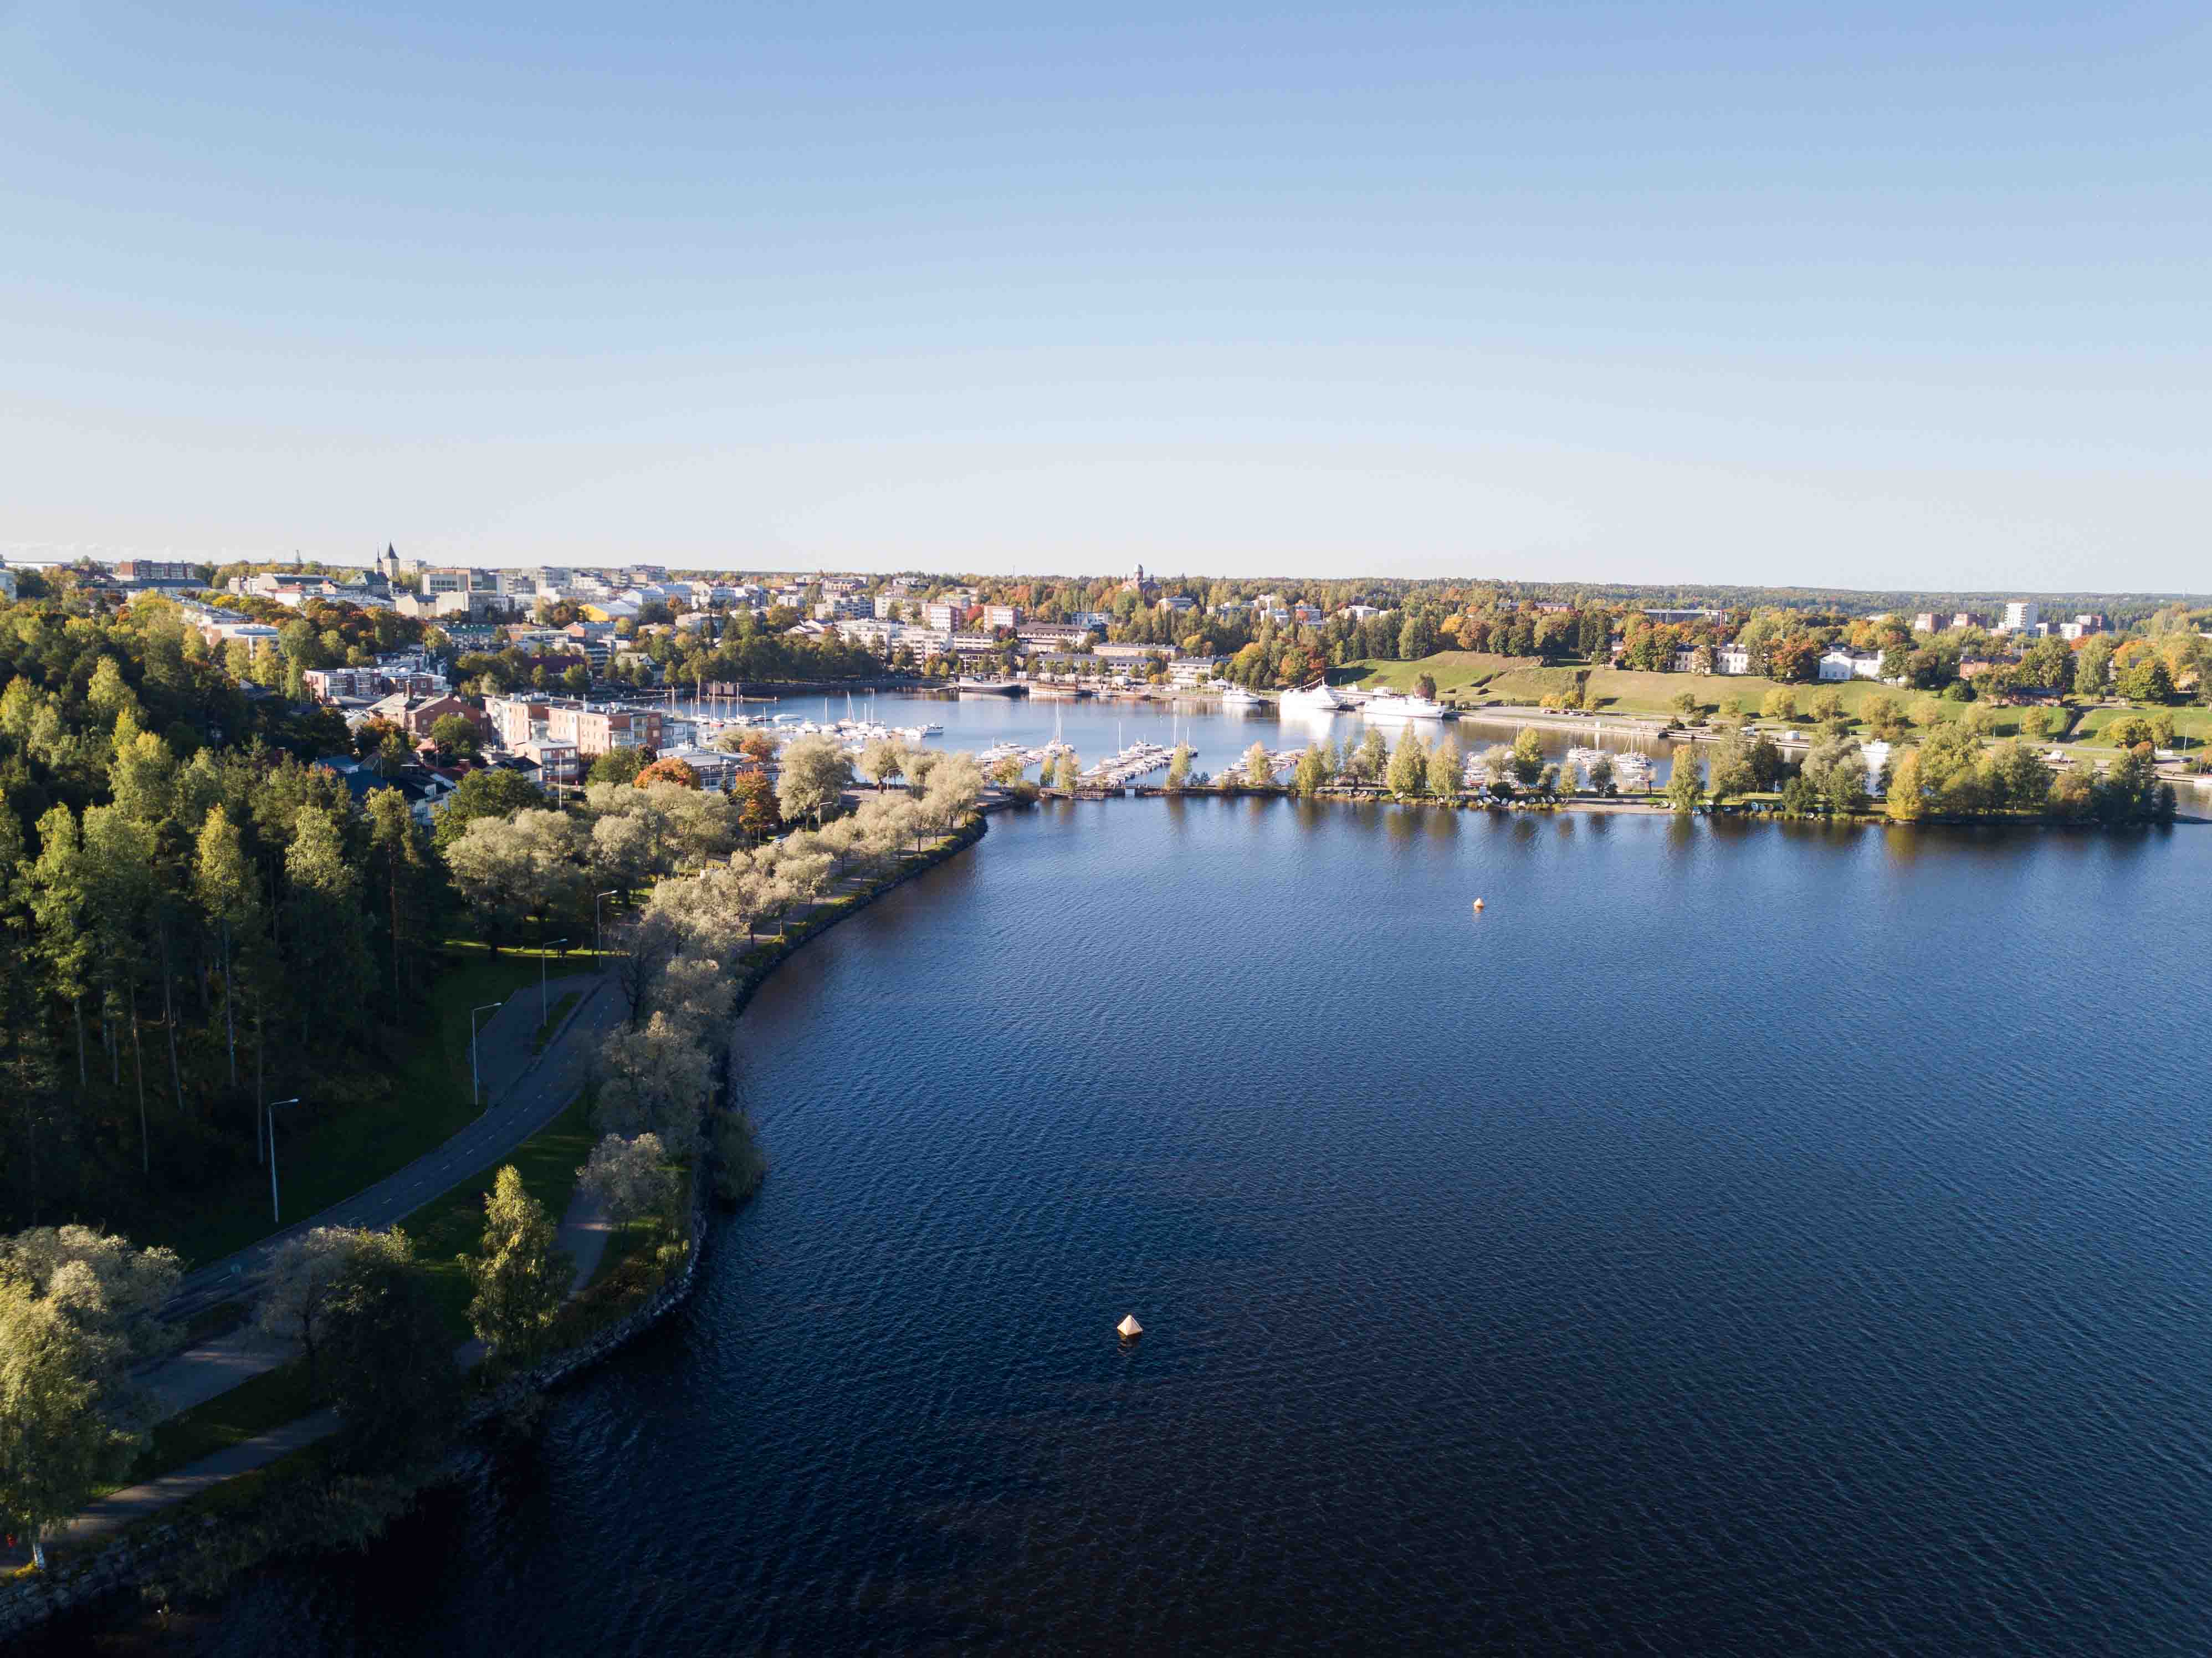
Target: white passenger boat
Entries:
(1395, 705)
(1316, 698)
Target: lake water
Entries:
(1738, 1239)
(1218, 737)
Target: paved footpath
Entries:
(583, 1233)
(536, 1091)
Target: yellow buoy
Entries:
(1128, 1329)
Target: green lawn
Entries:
(1459, 671)
(374, 1124)
(453, 1222)
(2193, 725)
(254, 1407)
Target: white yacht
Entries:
(1315, 698)
(1236, 696)
(1397, 705)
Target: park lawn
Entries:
(254, 1407)
(451, 1223)
(2191, 725)
(372, 1125)
(1453, 670)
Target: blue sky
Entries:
(1860, 295)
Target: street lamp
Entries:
(555, 945)
(274, 1218)
(476, 1085)
(598, 938)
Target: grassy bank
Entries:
(361, 1128)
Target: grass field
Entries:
(1476, 677)
(254, 1407)
(2190, 725)
(329, 1153)
(452, 1222)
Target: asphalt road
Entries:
(526, 1092)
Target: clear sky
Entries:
(1876, 295)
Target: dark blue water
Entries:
(1736, 1240)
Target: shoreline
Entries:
(1598, 806)
(153, 1549)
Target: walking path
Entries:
(539, 1087)
(527, 1091)
(583, 1233)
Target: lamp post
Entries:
(599, 934)
(275, 1218)
(555, 945)
(476, 1085)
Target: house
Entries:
(1095, 622)
(7, 584)
(996, 617)
(1360, 612)
(1178, 603)
(1130, 655)
(944, 615)
(1052, 635)
(1732, 658)
(1186, 671)
(1838, 663)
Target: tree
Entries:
(390, 1372)
(758, 816)
(2148, 679)
(1782, 704)
(1828, 706)
(302, 1282)
(815, 775)
(1066, 771)
(884, 761)
(493, 792)
(456, 734)
(618, 766)
(57, 1446)
(1259, 768)
(1793, 660)
(2035, 724)
(654, 1079)
(1688, 705)
(1730, 771)
(1905, 804)
(676, 773)
(628, 1179)
(1445, 765)
(1409, 764)
(1684, 789)
(520, 1276)
(1425, 685)
(1837, 769)
(1600, 774)
(2093, 665)
(575, 679)
(1179, 766)
(1528, 757)
(1312, 773)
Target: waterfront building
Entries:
(2022, 615)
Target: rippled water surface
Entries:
(1736, 1240)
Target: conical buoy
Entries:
(1128, 1328)
(1477, 903)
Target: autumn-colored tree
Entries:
(678, 772)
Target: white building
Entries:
(1190, 671)
(1732, 658)
(1837, 664)
(2022, 615)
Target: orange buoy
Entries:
(1477, 903)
